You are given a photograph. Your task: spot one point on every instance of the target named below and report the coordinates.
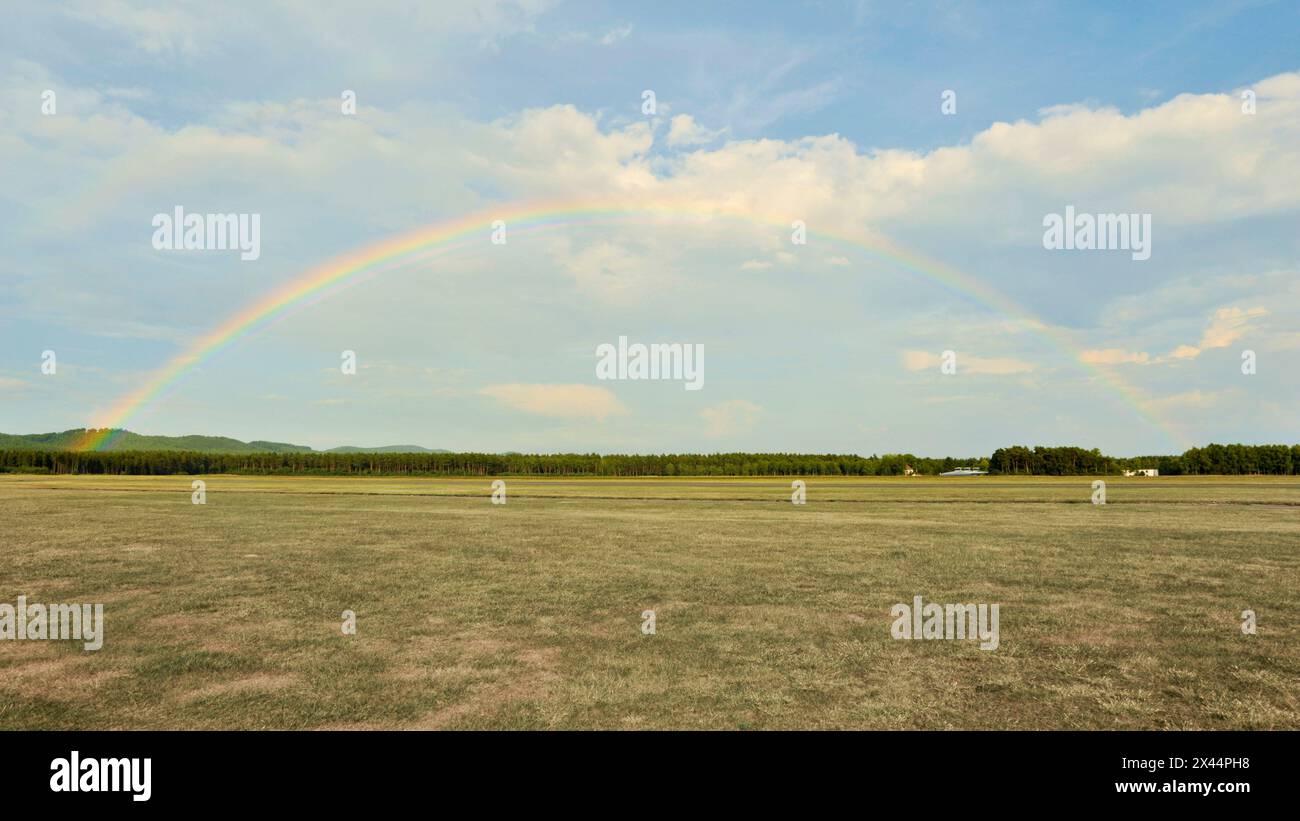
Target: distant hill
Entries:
(128, 440)
(276, 447)
(40, 441)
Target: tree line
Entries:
(1216, 460)
(468, 464)
(1038, 461)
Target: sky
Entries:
(922, 147)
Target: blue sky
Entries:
(824, 112)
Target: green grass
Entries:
(769, 615)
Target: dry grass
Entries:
(769, 615)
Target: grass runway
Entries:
(768, 615)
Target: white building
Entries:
(1142, 472)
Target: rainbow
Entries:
(403, 250)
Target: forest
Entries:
(1038, 461)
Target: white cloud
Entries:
(683, 130)
(1228, 325)
(615, 34)
(1113, 356)
(560, 401)
(613, 272)
(160, 30)
(187, 28)
(1190, 160)
(966, 363)
(729, 418)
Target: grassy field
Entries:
(769, 615)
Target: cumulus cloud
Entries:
(1190, 160)
(683, 130)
